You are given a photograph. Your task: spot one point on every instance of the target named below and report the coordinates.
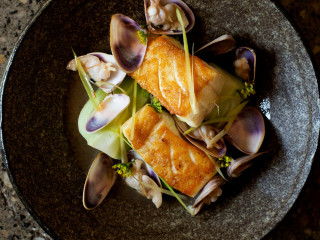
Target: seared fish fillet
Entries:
(157, 140)
(163, 74)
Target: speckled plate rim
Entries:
(2, 148)
(264, 232)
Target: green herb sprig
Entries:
(85, 79)
(156, 105)
(224, 161)
(193, 100)
(247, 90)
(123, 169)
(142, 37)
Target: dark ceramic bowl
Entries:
(48, 160)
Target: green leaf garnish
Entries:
(176, 195)
(194, 105)
(85, 79)
(156, 105)
(142, 37)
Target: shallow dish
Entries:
(47, 159)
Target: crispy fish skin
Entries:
(182, 165)
(163, 74)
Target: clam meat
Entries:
(101, 68)
(161, 16)
(245, 64)
(140, 179)
(201, 137)
(133, 155)
(210, 193)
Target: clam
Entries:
(237, 166)
(162, 19)
(140, 175)
(247, 131)
(245, 64)
(110, 108)
(99, 181)
(220, 45)
(201, 138)
(125, 43)
(132, 154)
(102, 69)
(208, 194)
(116, 77)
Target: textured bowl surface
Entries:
(48, 160)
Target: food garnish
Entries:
(247, 90)
(134, 108)
(176, 195)
(123, 169)
(216, 166)
(86, 82)
(193, 100)
(179, 136)
(156, 105)
(225, 161)
(161, 16)
(142, 37)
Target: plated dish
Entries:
(177, 141)
(255, 194)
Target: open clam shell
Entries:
(132, 154)
(111, 107)
(245, 64)
(125, 43)
(237, 166)
(139, 173)
(220, 45)
(166, 8)
(247, 131)
(100, 74)
(99, 181)
(115, 78)
(218, 151)
(198, 139)
(210, 193)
